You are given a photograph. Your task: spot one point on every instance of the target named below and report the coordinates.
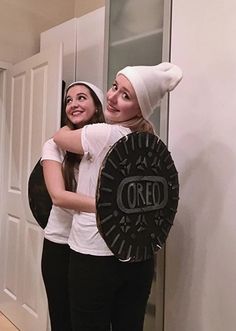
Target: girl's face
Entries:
(80, 106)
(122, 103)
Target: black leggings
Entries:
(106, 293)
(55, 265)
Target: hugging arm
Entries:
(69, 140)
(60, 197)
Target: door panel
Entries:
(33, 108)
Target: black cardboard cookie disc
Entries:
(137, 196)
(40, 202)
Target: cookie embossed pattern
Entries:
(137, 196)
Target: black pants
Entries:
(108, 294)
(55, 266)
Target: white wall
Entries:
(84, 7)
(21, 23)
(201, 249)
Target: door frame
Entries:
(3, 67)
(164, 133)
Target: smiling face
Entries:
(80, 106)
(122, 103)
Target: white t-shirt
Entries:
(96, 141)
(60, 219)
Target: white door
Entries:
(33, 107)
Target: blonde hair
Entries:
(143, 126)
(137, 124)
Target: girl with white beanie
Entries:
(105, 292)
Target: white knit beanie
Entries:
(93, 87)
(151, 83)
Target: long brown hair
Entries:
(71, 160)
(138, 123)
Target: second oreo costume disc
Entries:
(137, 196)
